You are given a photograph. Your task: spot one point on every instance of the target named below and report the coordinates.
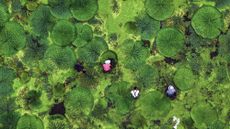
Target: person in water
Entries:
(135, 92)
(171, 92)
(79, 67)
(108, 65)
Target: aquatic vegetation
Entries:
(208, 22)
(114, 64)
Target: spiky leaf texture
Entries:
(63, 33)
(159, 9)
(35, 50)
(30, 122)
(79, 101)
(203, 115)
(12, 39)
(3, 15)
(146, 76)
(41, 21)
(169, 41)
(7, 76)
(184, 79)
(84, 10)
(84, 32)
(57, 122)
(134, 54)
(147, 27)
(60, 8)
(119, 94)
(153, 105)
(208, 22)
(64, 58)
(224, 48)
(92, 50)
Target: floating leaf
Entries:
(60, 8)
(12, 39)
(84, 10)
(30, 122)
(169, 41)
(63, 33)
(64, 58)
(79, 100)
(203, 114)
(184, 79)
(153, 105)
(159, 9)
(208, 22)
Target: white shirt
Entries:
(107, 61)
(135, 93)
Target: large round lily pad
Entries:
(159, 9)
(146, 76)
(134, 54)
(63, 33)
(12, 39)
(224, 48)
(84, 10)
(7, 75)
(3, 15)
(184, 79)
(60, 8)
(64, 58)
(203, 115)
(84, 31)
(41, 21)
(92, 50)
(208, 22)
(154, 105)
(119, 94)
(30, 122)
(169, 41)
(79, 100)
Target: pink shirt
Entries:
(106, 67)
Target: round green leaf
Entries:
(63, 33)
(224, 47)
(79, 100)
(159, 9)
(84, 32)
(64, 58)
(3, 15)
(147, 27)
(134, 54)
(153, 105)
(60, 8)
(146, 76)
(41, 21)
(203, 113)
(184, 79)
(12, 39)
(30, 122)
(7, 75)
(84, 10)
(169, 41)
(91, 51)
(208, 22)
(35, 50)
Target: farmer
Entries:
(135, 92)
(171, 92)
(79, 67)
(108, 65)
